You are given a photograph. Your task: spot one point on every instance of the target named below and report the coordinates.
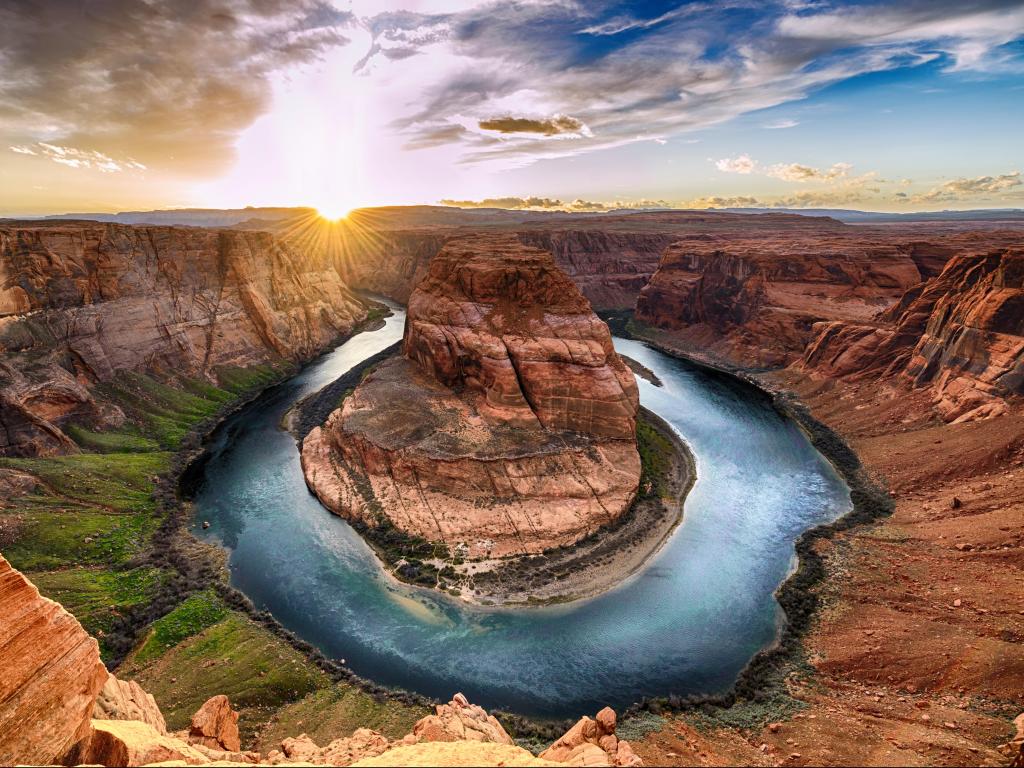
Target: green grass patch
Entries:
(190, 618)
(656, 452)
(48, 539)
(121, 441)
(122, 482)
(96, 595)
(235, 656)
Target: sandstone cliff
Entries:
(509, 425)
(50, 674)
(960, 334)
(81, 302)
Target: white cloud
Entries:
(979, 186)
(79, 158)
(739, 164)
(780, 124)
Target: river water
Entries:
(686, 623)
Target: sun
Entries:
(333, 211)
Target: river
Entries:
(686, 623)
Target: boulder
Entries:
(132, 743)
(592, 742)
(215, 725)
(458, 720)
(126, 700)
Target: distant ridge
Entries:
(854, 217)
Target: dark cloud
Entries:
(169, 84)
(551, 126)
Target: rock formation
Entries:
(126, 700)
(507, 427)
(592, 742)
(215, 725)
(961, 334)
(755, 300)
(81, 302)
(50, 674)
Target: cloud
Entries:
(628, 77)
(714, 201)
(552, 126)
(979, 186)
(169, 83)
(740, 164)
(79, 158)
(781, 124)
(553, 204)
(745, 164)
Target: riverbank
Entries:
(888, 656)
(609, 556)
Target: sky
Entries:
(889, 105)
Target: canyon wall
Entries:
(754, 301)
(81, 302)
(507, 427)
(959, 334)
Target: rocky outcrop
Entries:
(126, 700)
(458, 720)
(50, 674)
(215, 725)
(960, 334)
(756, 301)
(592, 742)
(82, 302)
(133, 743)
(507, 428)
(454, 754)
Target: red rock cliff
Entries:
(509, 425)
(80, 302)
(755, 301)
(961, 334)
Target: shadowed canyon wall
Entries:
(81, 303)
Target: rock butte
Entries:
(508, 426)
(81, 302)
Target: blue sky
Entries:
(879, 104)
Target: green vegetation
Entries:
(190, 618)
(96, 595)
(656, 452)
(258, 671)
(339, 709)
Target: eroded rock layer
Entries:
(50, 674)
(81, 302)
(508, 427)
(961, 334)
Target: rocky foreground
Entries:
(58, 704)
(508, 425)
(83, 303)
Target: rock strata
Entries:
(507, 427)
(83, 302)
(50, 674)
(960, 335)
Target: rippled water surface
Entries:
(687, 623)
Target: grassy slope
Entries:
(83, 537)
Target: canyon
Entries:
(506, 427)
(905, 341)
(82, 304)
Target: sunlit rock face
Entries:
(82, 302)
(508, 425)
(50, 675)
(754, 301)
(961, 334)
